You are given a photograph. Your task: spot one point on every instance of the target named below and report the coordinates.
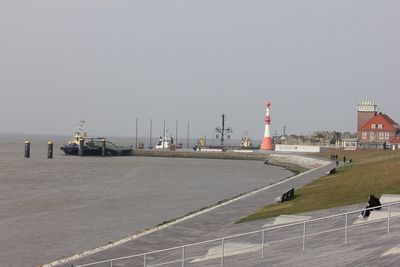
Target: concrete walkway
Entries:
(216, 223)
(368, 245)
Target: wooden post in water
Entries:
(103, 147)
(81, 148)
(27, 149)
(50, 150)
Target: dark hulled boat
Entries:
(93, 146)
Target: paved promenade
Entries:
(213, 224)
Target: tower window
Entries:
(380, 126)
(373, 126)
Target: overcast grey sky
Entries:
(108, 62)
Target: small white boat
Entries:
(246, 141)
(165, 142)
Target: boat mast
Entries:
(81, 123)
(137, 121)
(176, 132)
(163, 138)
(151, 126)
(187, 137)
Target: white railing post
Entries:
(144, 260)
(111, 265)
(345, 228)
(262, 243)
(222, 252)
(388, 227)
(304, 236)
(183, 256)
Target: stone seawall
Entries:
(303, 161)
(292, 162)
(200, 155)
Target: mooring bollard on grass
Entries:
(50, 150)
(27, 149)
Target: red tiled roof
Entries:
(395, 140)
(385, 120)
(388, 118)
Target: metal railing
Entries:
(302, 235)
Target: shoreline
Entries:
(288, 162)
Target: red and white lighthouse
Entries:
(267, 141)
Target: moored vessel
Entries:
(164, 142)
(72, 146)
(92, 146)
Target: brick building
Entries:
(395, 143)
(375, 129)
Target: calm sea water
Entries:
(53, 208)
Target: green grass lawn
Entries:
(372, 172)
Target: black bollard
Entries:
(81, 147)
(49, 150)
(27, 149)
(103, 147)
